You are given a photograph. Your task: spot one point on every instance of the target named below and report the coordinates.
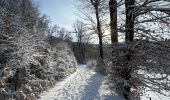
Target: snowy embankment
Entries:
(160, 94)
(84, 84)
(32, 65)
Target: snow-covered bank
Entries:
(157, 78)
(84, 84)
(32, 66)
(154, 96)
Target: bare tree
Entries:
(95, 3)
(80, 32)
(95, 9)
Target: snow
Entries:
(155, 95)
(84, 84)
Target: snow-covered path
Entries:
(84, 84)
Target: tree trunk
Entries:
(129, 37)
(101, 47)
(113, 29)
(113, 21)
(81, 53)
(99, 33)
(130, 17)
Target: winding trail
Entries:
(84, 84)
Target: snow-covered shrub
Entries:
(33, 66)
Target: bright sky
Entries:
(61, 12)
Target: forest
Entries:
(120, 46)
